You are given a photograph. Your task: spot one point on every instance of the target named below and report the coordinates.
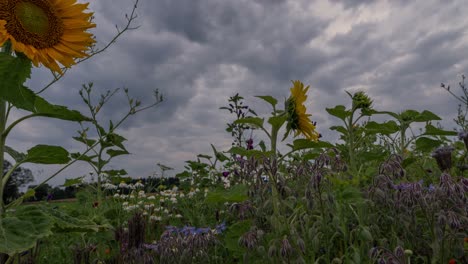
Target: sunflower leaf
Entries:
(339, 111)
(270, 99)
(14, 71)
(45, 154)
(255, 121)
(433, 131)
(425, 144)
(20, 231)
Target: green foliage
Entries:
(236, 194)
(20, 230)
(45, 154)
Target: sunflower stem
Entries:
(274, 188)
(3, 120)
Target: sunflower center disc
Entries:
(33, 18)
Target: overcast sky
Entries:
(200, 52)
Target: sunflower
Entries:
(298, 120)
(48, 32)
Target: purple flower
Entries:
(225, 173)
(431, 188)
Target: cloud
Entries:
(198, 53)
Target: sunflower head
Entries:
(298, 120)
(48, 32)
(362, 101)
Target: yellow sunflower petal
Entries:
(48, 32)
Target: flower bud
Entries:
(443, 156)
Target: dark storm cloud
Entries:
(198, 53)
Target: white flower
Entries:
(123, 185)
(157, 209)
(109, 186)
(124, 203)
(140, 202)
(197, 190)
(155, 218)
(149, 206)
(116, 195)
(166, 211)
(181, 195)
(131, 186)
(145, 213)
(141, 194)
(151, 197)
(139, 185)
(132, 196)
(175, 189)
(173, 199)
(178, 216)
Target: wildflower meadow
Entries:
(380, 194)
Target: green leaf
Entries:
(42, 107)
(434, 131)
(248, 153)
(233, 233)
(339, 111)
(236, 194)
(46, 154)
(254, 121)
(208, 157)
(13, 73)
(277, 121)
(408, 161)
(426, 116)
(17, 156)
(262, 145)
(394, 115)
(116, 140)
(88, 142)
(196, 165)
(365, 234)
(340, 129)
(386, 128)
(425, 144)
(79, 156)
(409, 115)
(19, 231)
(115, 152)
(221, 157)
(270, 99)
(182, 175)
(71, 182)
(306, 144)
(64, 223)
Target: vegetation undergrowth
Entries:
(381, 194)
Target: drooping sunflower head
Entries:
(298, 120)
(48, 32)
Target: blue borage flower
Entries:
(191, 230)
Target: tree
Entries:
(18, 178)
